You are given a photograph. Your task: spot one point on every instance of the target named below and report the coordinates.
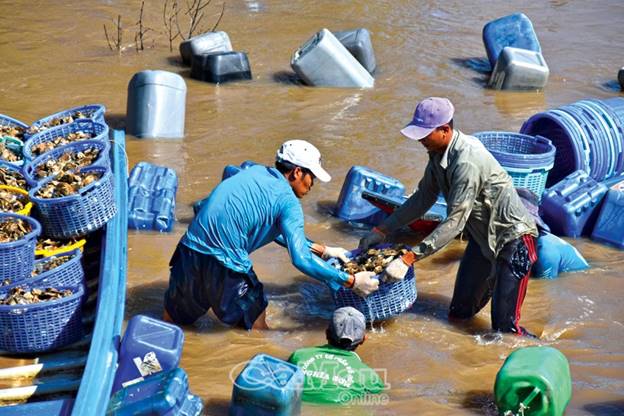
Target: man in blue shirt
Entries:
(211, 267)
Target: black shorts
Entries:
(198, 282)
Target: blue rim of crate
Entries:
(68, 274)
(607, 138)
(10, 121)
(97, 114)
(102, 159)
(70, 216)
(370, 307)
(617, 125)
(511, 157)
(42, 326)
(596, 153)
(99, 130)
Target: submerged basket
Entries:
(526, 159)
(43, 326)
(17, 257)
(78, 214)
(68, 274)
(102, 160)
(389, 300)
(99, 131)
(94, 112)
(27, 206)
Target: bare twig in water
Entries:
(139, 36)
(219, 19)
(170, 17)
(116, 43)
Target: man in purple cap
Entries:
(482, 203)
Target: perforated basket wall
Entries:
(91, 111)
(17, 257)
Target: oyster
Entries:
(12, 201)
(12, 229)
(67, 184)
(52, 245)
(69, 160)
(374, 260)
(8, 154)
(12, 131)
(57, 121)
(21, 296)
(48, 145)
(49, 264)
(12, 178)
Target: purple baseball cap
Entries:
(430, 113)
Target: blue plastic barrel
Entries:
(149, 346)
(515, 30)
(267, 386)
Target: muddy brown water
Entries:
(54, 56)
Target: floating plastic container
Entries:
(267, 386)
(515, 30)
(519, 69)
(156, 105)
(220, 67)
(43, 326)
(391, 299)
(149, 346)
(151, 197)
(352, 207)
(18, 257)
(534, 381)
(324, 62)
(205, 43)
(609, 227)
(358, 43)
(571, 207)
(527, 159)
(163, 394)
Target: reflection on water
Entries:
(57, 58)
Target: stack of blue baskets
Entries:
(527, 159)
(588, 135)
(93, 112)
(389, 300)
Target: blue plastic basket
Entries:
(68, 274)
(79, 214)
(11, 122)
(94, 112)
(389, 300)
(43, 326)
(526, 159)
(14, 169)
(98, 131)
(17, 257)
(102, 160)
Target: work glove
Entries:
(337, 252)
(374, 237)
(364, 284)
(398, 268)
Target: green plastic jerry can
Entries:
(533, 381)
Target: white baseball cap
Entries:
(303, 154)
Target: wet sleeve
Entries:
(291, 225)
(465, 185)
(417, 205)
(280, 240)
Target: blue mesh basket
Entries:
(43, 326)
(79, 214)
(389, 300)
(98, 131)
(68, 274)
(17, 257)
(11, 122)
(13, 169)
(103, 159)
(526, 159)
(94, 112)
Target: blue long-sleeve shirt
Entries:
(248, 211)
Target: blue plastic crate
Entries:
(609, 226)
(96, 130)
(15, 171)
(43, 326)
(149, 346)
(78, 214)
(163, 394)
(389, 300)
(103, 160)
(151, 197)
(94, 112)
(515, 30)
(18, 257)
(570, 208)
(352, 207)
(267, 386)
(68, 274)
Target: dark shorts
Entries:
(198, 282)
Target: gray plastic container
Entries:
(156, 105)
(324, 61)
(358, 42)
(519, 69)
(621, 77)
(204, 43)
